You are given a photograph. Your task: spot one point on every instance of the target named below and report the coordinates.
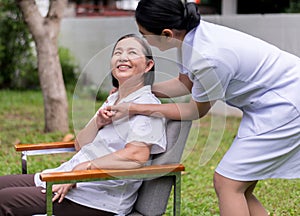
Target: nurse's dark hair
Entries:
(148, 77)
(157, 15)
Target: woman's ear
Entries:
(150, 64)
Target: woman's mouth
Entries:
(123, 67)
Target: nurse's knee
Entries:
(218, 183)
(226, 185)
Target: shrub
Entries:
(294, 7)
(18, 60)
(16, 52)
(69, 67)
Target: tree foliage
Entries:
(17, 59)
(294, 7)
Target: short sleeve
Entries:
(211, 80)
(149, 130)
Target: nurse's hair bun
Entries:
(192, 15)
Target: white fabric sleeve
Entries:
(148, 130)
(211, 80)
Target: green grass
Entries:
(22, 121)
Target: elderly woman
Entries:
(126, 144)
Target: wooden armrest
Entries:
(98, 174)
(41, 146)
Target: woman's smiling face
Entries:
(129, 61)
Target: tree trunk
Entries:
(45, 32)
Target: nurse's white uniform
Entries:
(264, 83)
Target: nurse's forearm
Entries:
(175, 111)
(175, 87)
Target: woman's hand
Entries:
(104, 117)
(61, 191)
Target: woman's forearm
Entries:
(114, 161)
(86, 135)
(134, 155)
(111, 161)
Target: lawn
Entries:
(22, 121)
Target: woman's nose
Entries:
(123, 57)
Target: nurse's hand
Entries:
(119, 111)
(113, 90)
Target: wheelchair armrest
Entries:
(42, 149)
(43, 146)
(83, 175)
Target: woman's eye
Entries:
(133, 52)
(117, 53)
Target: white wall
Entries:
(90, 40)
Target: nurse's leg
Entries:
(232, 199)
(255, 207)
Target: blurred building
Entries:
(207, 7)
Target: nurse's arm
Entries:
(176, 111)
(175, 87)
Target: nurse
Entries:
(219, 63)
